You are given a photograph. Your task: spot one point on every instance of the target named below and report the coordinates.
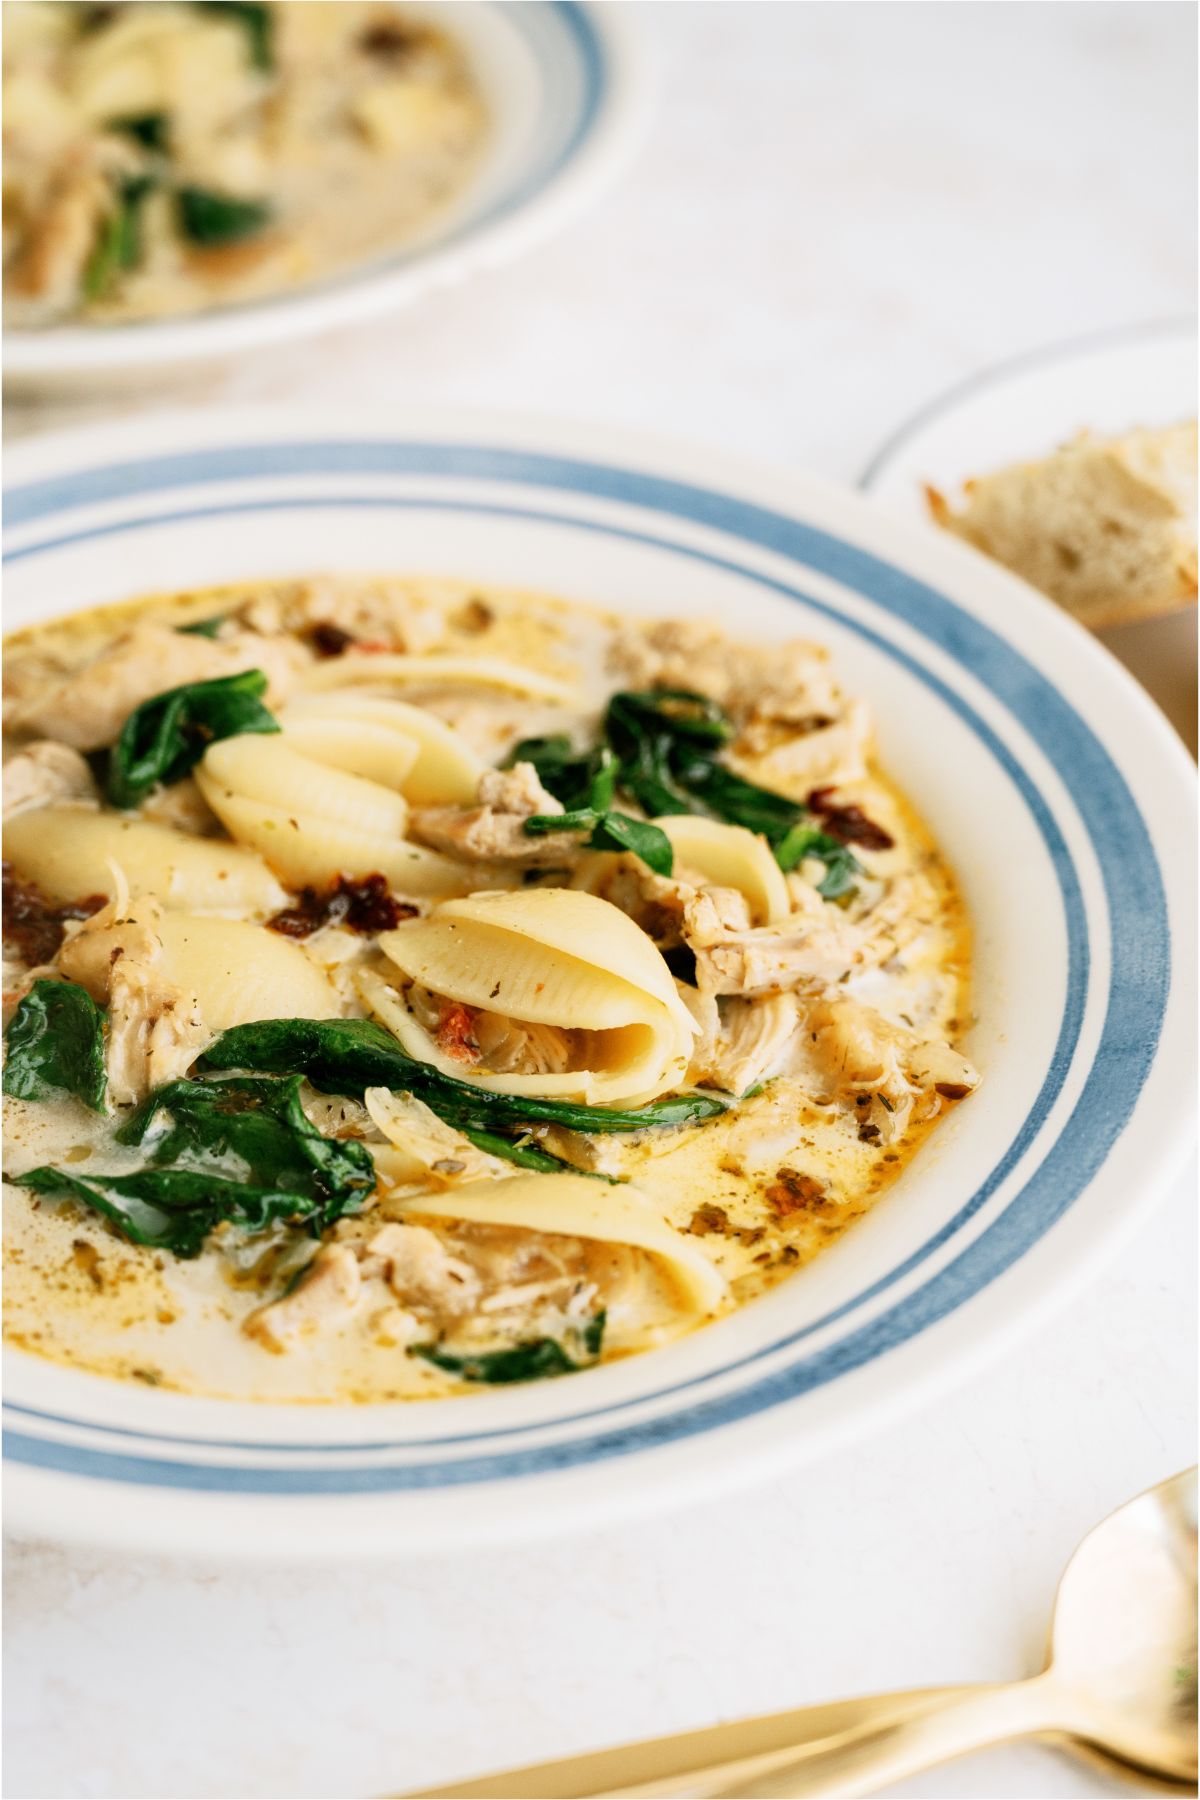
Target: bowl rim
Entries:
(611, 117)
(763, 499)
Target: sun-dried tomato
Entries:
(365, 905)
(848, 824)
(33, 925)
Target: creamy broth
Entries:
(764, 988)
(160, 159)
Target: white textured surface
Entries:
(840, 210)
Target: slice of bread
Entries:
(1107, 527)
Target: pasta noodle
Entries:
(443, 770)
(573, 1206)
(551, 958)
(430, 671)
(70, 851)
(239, 972)
(731, 856)
(312, 822)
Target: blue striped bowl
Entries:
(1059, 794)
(564, 85)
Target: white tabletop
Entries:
(840, 210)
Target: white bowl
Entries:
(1055, 788)
(564, 88)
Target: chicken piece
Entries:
(87, 707)
(791, 682)
(183, 807)
(810, 952)
(155, 1031)
(741, 1041)
(49, 268)
(326, 1296)
(43, 773)
(494, 830)
(518, 1047)
(803, 754)
(421, 1271)
(888, 1073)
(383, 614)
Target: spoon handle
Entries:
(846, 1748)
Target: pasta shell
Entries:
(576, 1206)
(376, 669)
(445, 771)
(359, 748)
(240, 972)
(731, 856)
(307, 851)
(546, 957)
(71, 851)
(253, 767)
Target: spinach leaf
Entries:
(345, 1056)
(611, 831)
(563, 771)
(526, 1155)
(173, 1209)
(257, 23)
(151, 130)
(842, 867)
(661, 747)
(596, 775)
(119, 245)
(530, 1361)
(205, 628)
(262, 1124)
(56, 1045)
(211, 219)
(166, 736)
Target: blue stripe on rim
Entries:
(1133, 886)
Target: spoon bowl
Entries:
(1123, 1638)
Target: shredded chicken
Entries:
(183, 807)
(802, 756)
(155, 1030)
(386, 615)
(805, 952)
(494, 830)
(784, 699)
(892, 1076)
(419, 1269)
(87, 707)
(325, 1296)
(759, 685)
(43, 773)
(519, 1047)
(53, 258)
(741, 1041)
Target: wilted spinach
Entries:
(119, 245)
(346, 1056)
(173, 1209)
(167, 735)
(661, 747)
(210, 219)
(56, 1045)
(530, 1361)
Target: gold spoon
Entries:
(1119, 1683)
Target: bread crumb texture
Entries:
(1107, 527)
